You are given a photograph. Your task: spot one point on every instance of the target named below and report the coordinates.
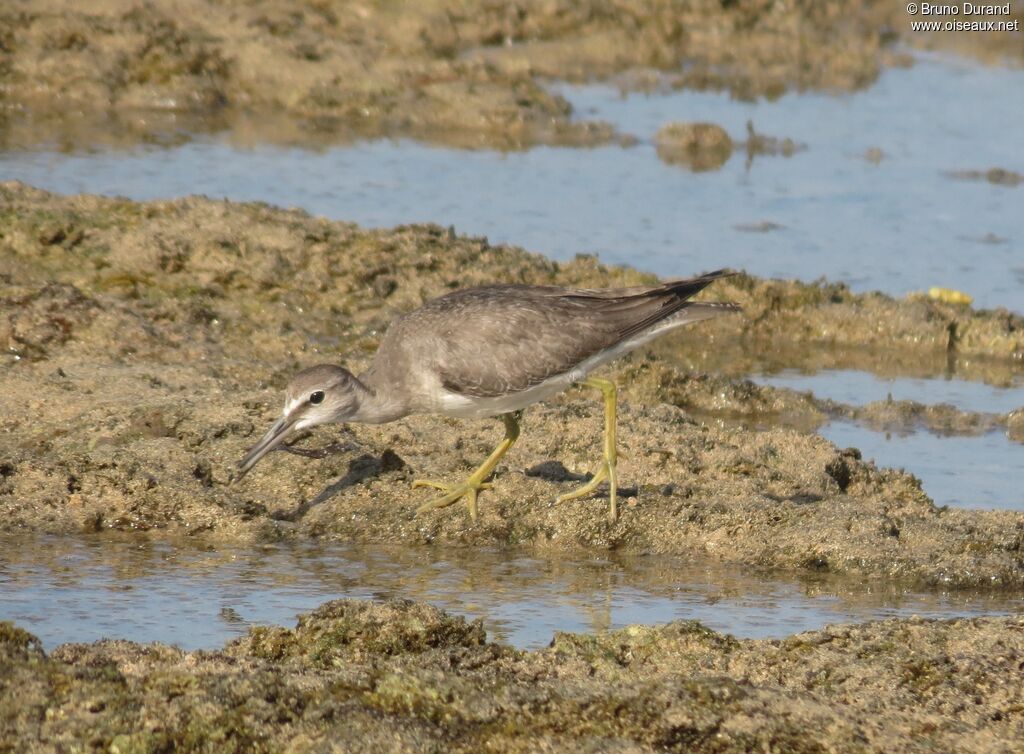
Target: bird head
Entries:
(319, 395)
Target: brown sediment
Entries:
(762, 226)
(1015, 425)
(697, 146)
(706, 146)
(942, 418)
(874, 155)
(749, 404)
(758, 145)
(998, 46)
(997, 176)
(402, 676)
(148, 342)
(468, 74)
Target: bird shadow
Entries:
(365, 466)
(328, 450)
(555, 471)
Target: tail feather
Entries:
(641, 311)
(697, 311)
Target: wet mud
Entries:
(467, 74)
(147, 345)
(403, 676)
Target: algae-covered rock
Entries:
(697, 146)
(148, 342)
(464, 73)
(469, 73)
(907, 685)
(344, 630)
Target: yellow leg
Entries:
(477, 480)
(607, 468)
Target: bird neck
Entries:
(376, 405)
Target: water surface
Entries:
(964, 472)
(86, 589)
(900, 225)
(857, 388)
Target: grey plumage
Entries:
(489, 351)
(500, 339)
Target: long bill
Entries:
(274, 437)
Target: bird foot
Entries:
(453, 492)
(604, 471)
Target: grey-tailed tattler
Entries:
(493, 351)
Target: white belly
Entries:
(469, 407)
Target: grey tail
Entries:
(639, 311)
(695, 311)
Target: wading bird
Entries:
(493, 351)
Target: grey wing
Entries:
(511, 346)
(495, 340)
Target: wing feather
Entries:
(495, 340)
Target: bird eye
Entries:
(316, 397)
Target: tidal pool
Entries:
(964, 472)
(85, 589)
(856, 388)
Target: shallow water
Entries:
(858, 388)
(897, 226)
(964, 472)
(87, 589)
